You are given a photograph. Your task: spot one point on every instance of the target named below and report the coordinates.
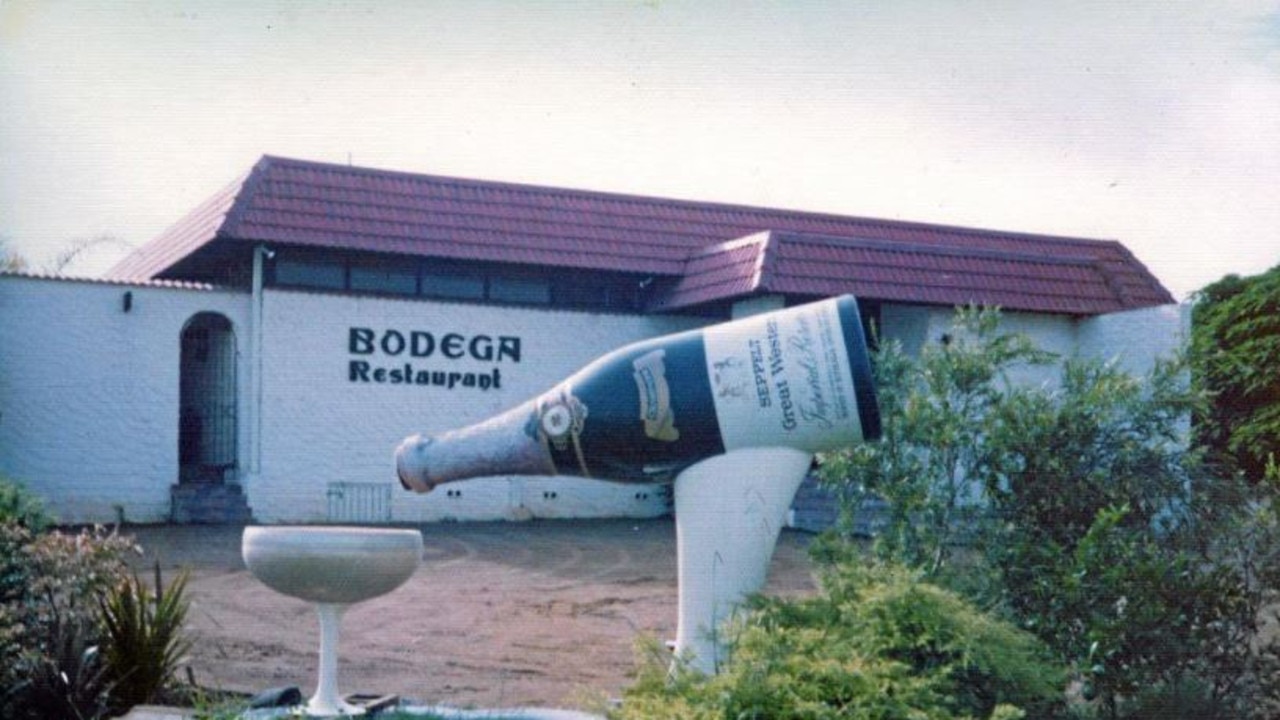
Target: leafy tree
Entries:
(1236, 355)
(934, 451)
(1096, 527)
(1084, 478)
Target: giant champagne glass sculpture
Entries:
(332, 567)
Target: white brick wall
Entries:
(89, 399)
(89, 393)
(1134, 339)
(319, 427)
(916, 326)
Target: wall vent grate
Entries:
(352, 502)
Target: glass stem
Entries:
(327, 701)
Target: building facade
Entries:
(267, 353)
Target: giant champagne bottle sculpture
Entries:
(796, 378)
(732, 413)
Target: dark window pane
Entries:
(384, 279)
(520, 290)
(597, 294)
(309, 274)
(573, 294)
(470, 287)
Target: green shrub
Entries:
(1115, 546)
(21, 506)
(1182, 700)
(79, 633)
(935, 412)
(1235, 345)
(48, 621)
(1098, 529)
(67, 680)
(144, 642)
(874, 644)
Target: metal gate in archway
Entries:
(207, 400)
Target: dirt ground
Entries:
(541, 613)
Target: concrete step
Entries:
(209, 504)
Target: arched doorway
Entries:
(207, 400)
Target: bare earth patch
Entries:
(541, 613)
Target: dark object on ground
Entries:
(277, 697)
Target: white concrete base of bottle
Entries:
(729, 511)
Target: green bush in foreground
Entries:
(1078, 509)
(77, 639)
(144, 639)
(50, 665)
(875, 644)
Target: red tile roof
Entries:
(197, 229)
(708, 251)
(796, 263)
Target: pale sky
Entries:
(1153, 123)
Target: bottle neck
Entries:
(502, 445)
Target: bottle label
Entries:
(783, 378)
(560, 419)
(650, 373)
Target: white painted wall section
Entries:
(322, 424)
(1135, 339)
(918, 326)
(89, 392)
